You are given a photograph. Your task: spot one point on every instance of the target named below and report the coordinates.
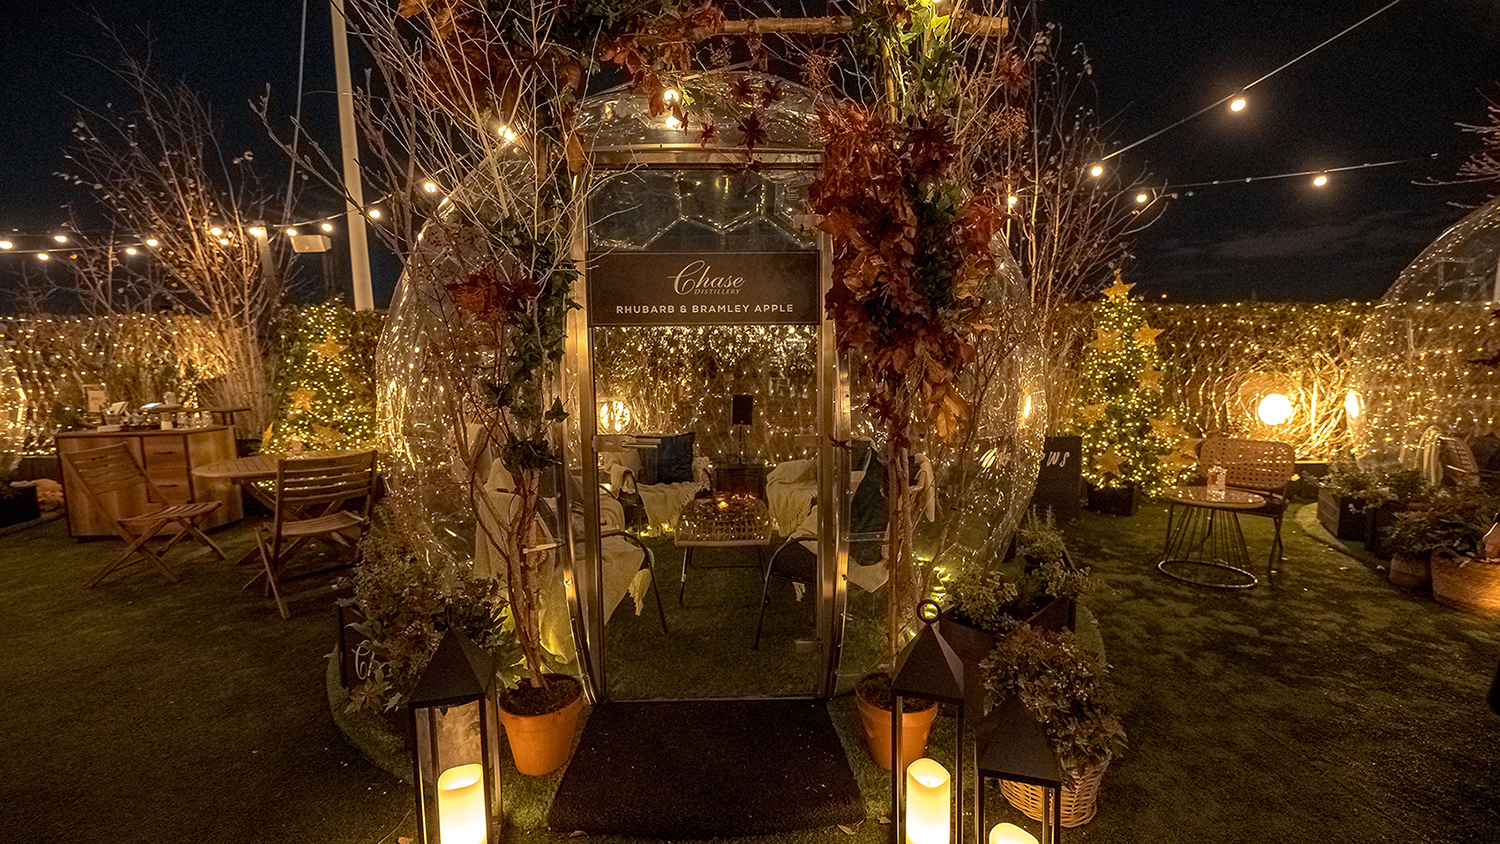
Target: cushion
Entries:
(1486, 450)
(674, 459)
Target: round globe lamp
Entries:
(1275, 409)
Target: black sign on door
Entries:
(708, 288)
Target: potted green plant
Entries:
(1396, 492)
(874, 703)
(1450, 523)
(1066, 687)
(1342, 496)
(408, 600)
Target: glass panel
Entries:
(759, 480)
(700, 210)
(622, 118)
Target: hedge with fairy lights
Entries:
(1131, 434)
(1225, 361)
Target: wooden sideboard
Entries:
(168, 458)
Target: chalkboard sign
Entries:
(354, 648)
(710, 288)
(1059, 483)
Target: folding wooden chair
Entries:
(311, 498)
(108, 474)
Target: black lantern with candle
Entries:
(455, 745)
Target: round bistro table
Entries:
(1205, 546)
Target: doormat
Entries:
(707, 769)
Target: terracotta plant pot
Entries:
(540, 744)
(1467, 584)
(1410, 572)
(877, 732)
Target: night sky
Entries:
(1392, 89)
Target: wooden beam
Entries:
(965, 22)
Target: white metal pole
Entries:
(359, 249)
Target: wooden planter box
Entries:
(1115, 501)
(1467, 584)
(973, 644)
(1377, 521)
(1341, 516)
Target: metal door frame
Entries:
(584, 578)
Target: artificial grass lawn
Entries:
(1329, 706)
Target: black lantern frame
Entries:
(460, 673)
(929, 668)
(1012, 745)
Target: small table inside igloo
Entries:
(724, 521)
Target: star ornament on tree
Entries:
(1165, 429)
(302, 399)
(1107, 341)
(1109, 462)
(1150, 379)
(1146, 336)
(1118, 290)
(329, 350)
(1092, 413)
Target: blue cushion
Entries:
(674, 459)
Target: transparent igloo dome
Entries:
(977, 484)
(982, 477)
(784, 116)
(1416, 363)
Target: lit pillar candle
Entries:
(1009, 833)
(460, 804)
(927, 803)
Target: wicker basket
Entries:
(1079, 804)
(1467, 584)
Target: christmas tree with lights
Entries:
(326, 392)
(1130, 435)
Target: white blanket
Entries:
(623, 572)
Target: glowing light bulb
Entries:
(131, 250)
(1011, 200)
(1142, 198)
(374, 213)
(671, 95)
(5, 244)
(223, 241)
(327, 227)
(1097, 170)
(291, 232)
(43, 256)
(430, 187)
(257, 231)
(1274, 409)
(1238, 103)
(152, 242)
(506, 134)
(673, 122)
(60, 238)
(1320, 180)
(1353, 404)
(215, 231)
